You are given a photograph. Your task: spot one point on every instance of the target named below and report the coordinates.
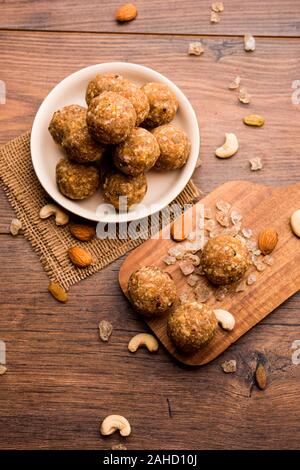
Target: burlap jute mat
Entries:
(49, 241)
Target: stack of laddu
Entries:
(124, 132)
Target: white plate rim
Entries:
(128, 216)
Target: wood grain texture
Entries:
(267, 18)
(261, 207)
(41, 60)
(61, 381)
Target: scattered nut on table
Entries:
(214, 17)
(267, 240)
(15, 227)
(83, 232)
(217, 7)
(244, 96)
(195, 48)
(249, 43)
(3, 369)
(295, 222)
(112, 423)
(229, 148)
(229, 366)
(261, 376)
(225, 319)
(80, 257)
(254, 120)
(105, 330)
(118, 447)
(234, 85)
(143, 340)
(255, 164)
(126, 12)
(58, 292)
(61, 217)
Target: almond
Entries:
(254, 120)
(82, 232)
(267, 240)
(80, 257)
(126, 12)
(58, 292)
(261, 376)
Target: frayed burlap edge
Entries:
(50, 242)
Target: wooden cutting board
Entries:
(261, 207)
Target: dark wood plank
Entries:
(61, 380)
(268, 18)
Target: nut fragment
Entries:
(61, 218)
(254, 120)
(225, 319)
(255, 164)
(214, 17)
(249, 43)
(126, 12)
(235, 83)
(58, 292)
(195, 48)
(295, 222)
(112, 423)
(3, 369)
(143, 339)
(229, 366)
(105, 330)
(83, 232)
(15, 227)
(244, 96)
(261, 376)
(218, 7)
(80, 257)
(229, 148)
(118, 447)
(267, 240)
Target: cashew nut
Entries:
(229, 148)
(143, 339)
(113, 422)
(61, 218)
(225, 319)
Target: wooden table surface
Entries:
(61, 380)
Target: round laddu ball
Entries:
(138, 153)
(110, 118)
(191, 325)
(108, 81)
(116, 83)
(116, 185)
(163, 104)
(77, 181)
(224, 260)
(69, 129)
(174, 146)
(151, 291)
(62, 119)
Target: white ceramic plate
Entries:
(163, 187)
